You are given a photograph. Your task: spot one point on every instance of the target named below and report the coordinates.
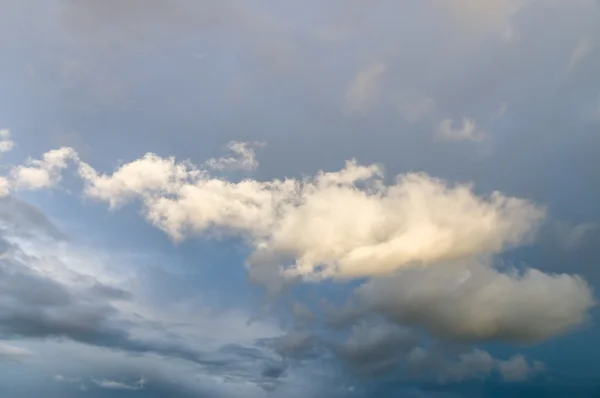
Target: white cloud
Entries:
(446, 131)
(365, 88)
(6, 143)
(4, 186)
(474, 301)
(328, 221)
(244, 157)
(44, 173)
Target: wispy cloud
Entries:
(446, 130)
(364, 90)
(117, 385)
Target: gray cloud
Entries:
(41, 298)
(473, 301)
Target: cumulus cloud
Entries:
(474, 302)
(365, 87)
(42, 173)
(337, 224)
(447, 131)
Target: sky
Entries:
(335, 198)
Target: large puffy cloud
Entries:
(341, 224)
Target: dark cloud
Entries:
(35, 304)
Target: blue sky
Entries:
(339, 198)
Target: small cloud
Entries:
(518, 369)
(64, 379)
(244, 157)
(446, 131)
(365, 87)
(44, 173)
(117, 385)
(6, 143)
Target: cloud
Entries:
(6, 143)
(445, 131)
(50, 291)
(391, 226)
(58, 299)
(244, 157)
(472, 301)
(44, 173)
(381, 348)
(117, 385)
(364, 89)
(426, 247)
(11, 353)
(439, 363)
(518, 369)
(372, 349)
